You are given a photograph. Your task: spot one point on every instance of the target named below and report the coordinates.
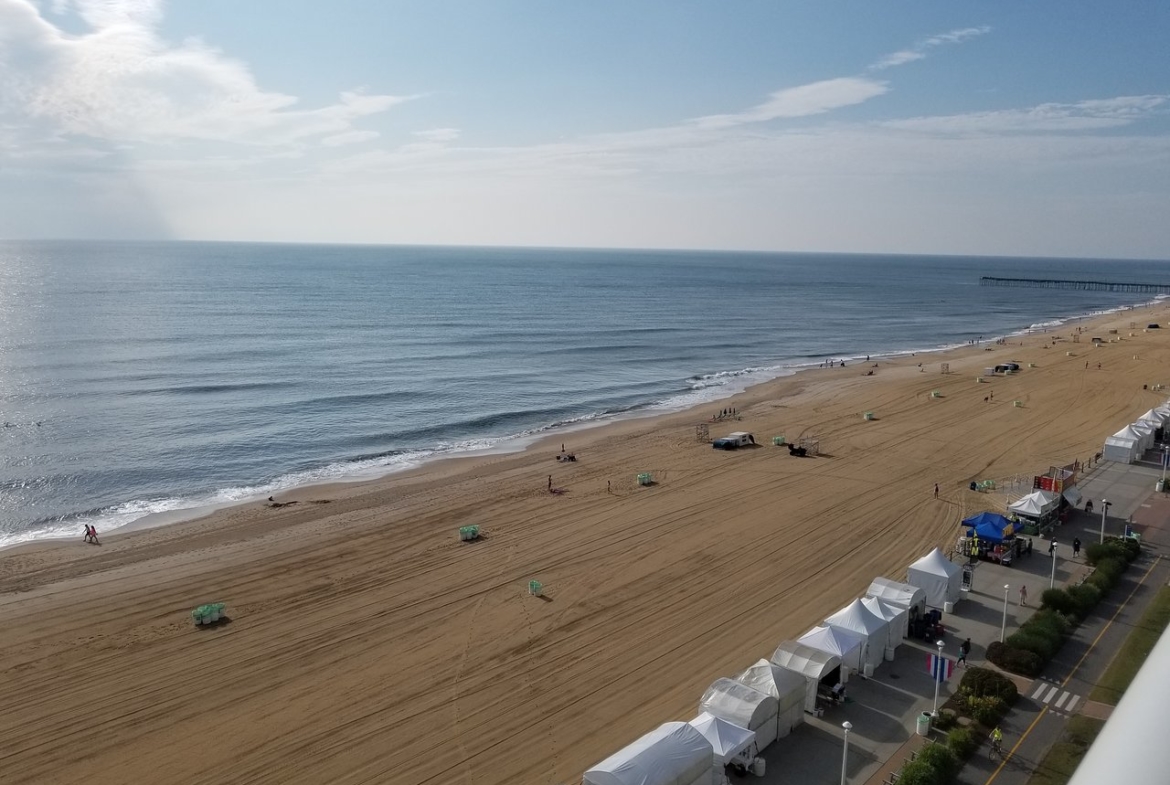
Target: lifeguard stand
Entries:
(812, 445)
(944, 368)
(702, 433)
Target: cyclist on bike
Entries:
(996, 739)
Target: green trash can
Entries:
(778, 441)
(924, 724)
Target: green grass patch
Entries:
(1062, 760)
(1132, 654)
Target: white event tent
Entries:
(740, 705)
(814, 665)
(673, 754)
(896, 621)
(903, 595)
(786, 686)
(938, 577)
(1146, 430)
(728, 741)
(1121, 447)
(849, 646)
(858, 619)
(1156, 416)
(1036, 504)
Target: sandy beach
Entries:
(367, 644)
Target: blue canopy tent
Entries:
(991, 527)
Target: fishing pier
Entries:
(1090, 286)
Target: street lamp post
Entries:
(1105, 505)
(1052, 580)
(1003, 625)
(938, 678)
(848, 726)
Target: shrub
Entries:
(1085, 597)
(985, 709)
(962, 743)
(940, 758)
(1050, 622)
(1112, 548)
(1100, 581)
(1015, 660)
(917, 772)
(1037, 640)
(984, 681)
(1058, 600)
(1111, 569)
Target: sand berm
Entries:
(366, 644)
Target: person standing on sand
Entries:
(550, 482)
(936, 490)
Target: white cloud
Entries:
(122, 81)
(1050, 117)
(803, 101)
(349, 137)
(919, 50)
(438, 134)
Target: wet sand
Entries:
(367, 644)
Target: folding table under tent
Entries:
(938, 577)
(815, 665)
(740, 705)
(896, 620)
(860, 620)
(786, 686)
(673, 754)
(728, 741)
(847, 645)
(903, 595)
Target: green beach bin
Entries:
(535, 588)
(868, 415)
(645, 479)
(778, 441)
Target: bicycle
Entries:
(995, 749)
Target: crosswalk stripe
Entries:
(1063, 697)
(1052, 692)
(1039, 689)
(1073, 702)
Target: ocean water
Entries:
(139, 378)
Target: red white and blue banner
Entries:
(940, 668)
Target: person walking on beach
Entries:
(936, 490)
(964, 650)
(550, 482)
(1023, 596)
(87, 533)
(1076, 547)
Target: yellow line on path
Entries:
(1068, 678)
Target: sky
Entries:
(998, 127)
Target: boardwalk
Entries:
(1057, 283)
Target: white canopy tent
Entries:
(813, 664)
(896, 621)
(857, 618)
(938, 577)
(903, 595)
(1036, 504)
(847, 645)
(1146, 430)
(1120, 449)
(1156, 416)
(672, 754)
(786, 686)
(728, 741)
(740, 705)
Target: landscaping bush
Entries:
(962, 743)
(1038, 640)
(940, 758)
(1111, 570)
(1085, 597)
(985, 709)
(1050, 622)
(984, 681)
(945, 720)
(1100, 581)
(918, 772)
(1009, 658)
(1058, 600)
(1112, 548)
